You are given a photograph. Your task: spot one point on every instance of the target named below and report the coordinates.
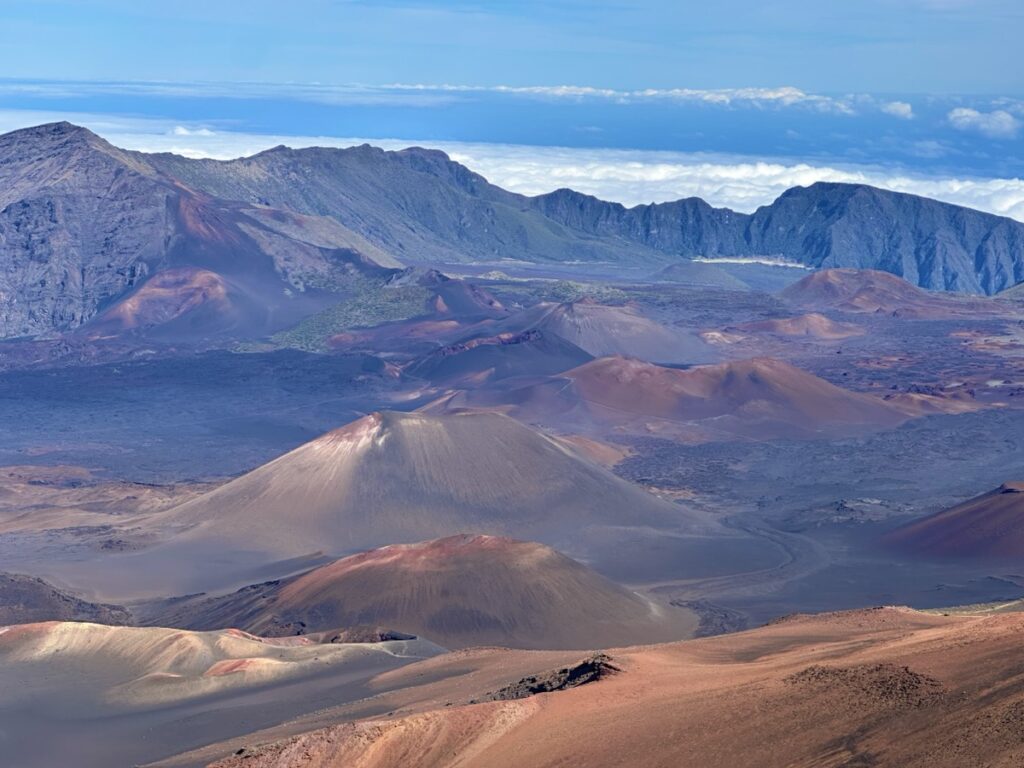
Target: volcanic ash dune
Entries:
(458, 591)
(405, 477)
(614, 330)
(117, 668)
(95, 696)
(491, 358)
(987, 526)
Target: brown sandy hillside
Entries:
(95, 696)
(458, 591)
(868, 290)
(601, 329)
(762, 398)
(812, 325)
(987, 526)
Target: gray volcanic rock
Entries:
(80, 223)
(24, 599)
(84, 226)
(687, 227)
(420, 205)
(931, 244)
(416, 204)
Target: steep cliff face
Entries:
(80, 224)
(421, 206)
(931, 244)
(687, 227)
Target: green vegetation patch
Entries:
(373, 305)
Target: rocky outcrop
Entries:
(930, 244)
(587, 670)
(25, 599)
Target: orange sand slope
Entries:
(885, 687)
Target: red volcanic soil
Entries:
(200, 217)
(987, 526)
(761, 398)
(812, 325)
(461, 299)
(457, 591)
(166, 296)
(759, 388)
(882, 687)
(867, 290)
(398, 335)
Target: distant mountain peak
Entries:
(61, 127)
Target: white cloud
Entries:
(181, 130)
(999, 124)
(743, 184)
(628, 176)
(899, 109)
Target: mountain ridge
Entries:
(83, 224)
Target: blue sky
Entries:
(926, 90)
(922, 46)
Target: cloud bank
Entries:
(786, 96)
